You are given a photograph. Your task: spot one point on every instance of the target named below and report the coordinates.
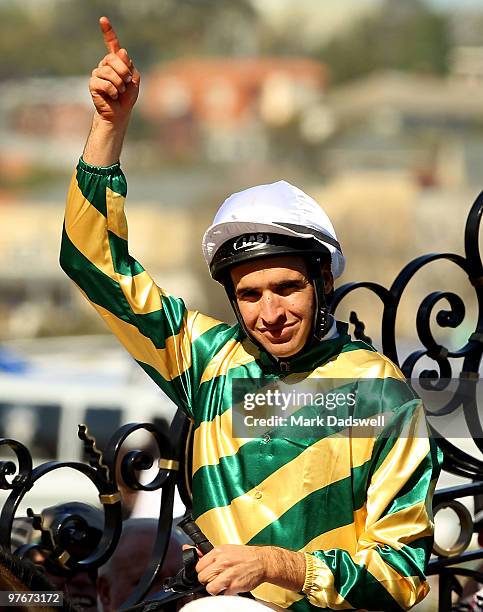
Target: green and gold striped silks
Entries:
(359, 507)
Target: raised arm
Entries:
(114, 88)
(156, 328)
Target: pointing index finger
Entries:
(110, 36)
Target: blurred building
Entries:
(225, 106)
(36, 298)
(42, 121)
(220, 109)
(431, 127)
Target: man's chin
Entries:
(281, 350)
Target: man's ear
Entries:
(103, 593)
(328, 279)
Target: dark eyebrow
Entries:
(245, 290)
(284, 284)
(290, 283)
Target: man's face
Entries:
(276, 301)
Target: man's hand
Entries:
(114, 87)
(114, 84)
(231, 569)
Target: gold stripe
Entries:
(110, 498)
(198, 324)
(276, 595)
(213, 440)
(141, 292)
(402, 461)
(168, 464)
(116, 219)
(400, 528)
(170, 362)
(341, 537)
(86, 228)
(406, 590)
(232, 355)
(360, 363)
(306, 473)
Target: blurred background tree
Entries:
(58, 38)
(408, 36)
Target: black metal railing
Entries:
(463, 398)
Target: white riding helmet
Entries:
(268, 220)
(247, 223)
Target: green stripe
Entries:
(100, 288)
(207, 345)
(222, 386)
(336, 503)
(179, 389)
(123, 262)
(160, 325)
(356, 584)
(391, 435)
(303, 605)
(411, 560)
(93, 181)
(390, 394)
(106, 292)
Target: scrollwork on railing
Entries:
(102, 472)
(8, 468)
(449, 317)
(463, 397)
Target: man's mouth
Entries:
(279, 334)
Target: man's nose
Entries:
(271, 309)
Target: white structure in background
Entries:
(67, 382)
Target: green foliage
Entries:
(405, 36)
(62, 37)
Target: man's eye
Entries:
(288, 288)
(249, 296)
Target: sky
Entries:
(320, 18)
(323, 18)
(456, 5)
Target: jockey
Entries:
(308, 516)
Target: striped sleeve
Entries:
(386, 572)
(155, 328)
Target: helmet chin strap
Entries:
(320, 323)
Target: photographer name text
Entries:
(319, 421)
